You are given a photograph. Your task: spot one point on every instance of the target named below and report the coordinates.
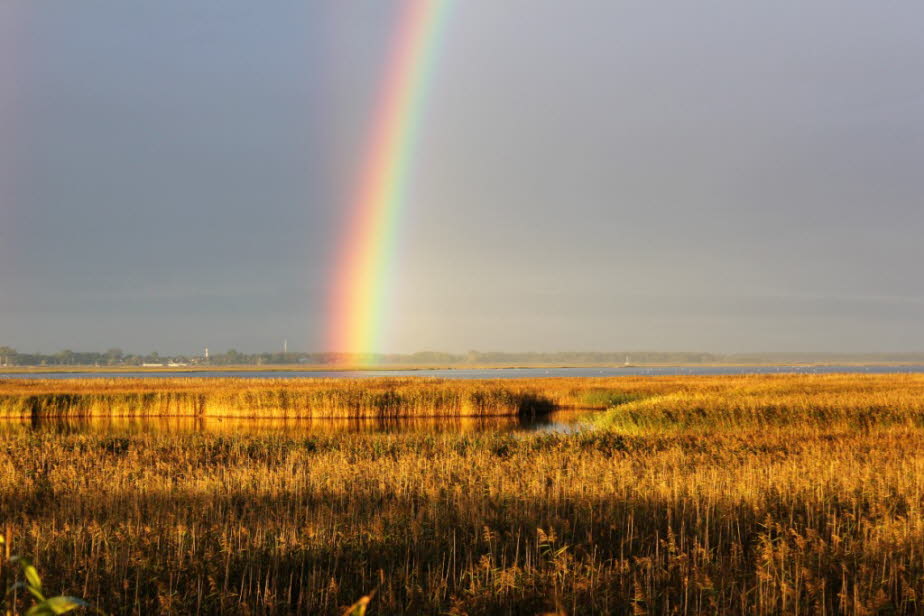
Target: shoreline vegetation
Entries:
(117, 360)
(692, 495)
(881, 397)
(271, 398)
(244, 368)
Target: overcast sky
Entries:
(591, 175)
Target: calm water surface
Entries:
(558, 421)
(496, 373)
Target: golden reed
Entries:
(706, 495)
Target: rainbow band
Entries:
(358, 296)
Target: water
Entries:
(558, 421)
(494, 373)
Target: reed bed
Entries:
(741, 398)
(668, 508)
(281, 398)
(281, 425)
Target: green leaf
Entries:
(35, 592)
(32, 576)
(359, 608)
(56, 605)
(40, 609)
(63, 605)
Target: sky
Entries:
(592, 175)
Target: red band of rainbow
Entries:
(358, 294)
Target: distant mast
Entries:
(285, 346)
(627, 360)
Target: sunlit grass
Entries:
(761, 495)
(305, 398)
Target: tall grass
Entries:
(674, 507)
(641, 397)
(281, 398)
(821, 402)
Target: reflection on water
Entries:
(559, 421)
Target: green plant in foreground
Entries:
(359, 608)
(45, 606)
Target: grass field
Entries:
(271, 398)
(758, 495)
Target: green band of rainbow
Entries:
(359, 291)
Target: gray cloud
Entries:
(597, 175)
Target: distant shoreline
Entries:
(426, 367)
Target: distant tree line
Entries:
(116, 357)
(112, 357)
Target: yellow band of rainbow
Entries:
(361, 280)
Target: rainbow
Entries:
(358, 295)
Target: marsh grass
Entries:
(281, 398)
(710, 495)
